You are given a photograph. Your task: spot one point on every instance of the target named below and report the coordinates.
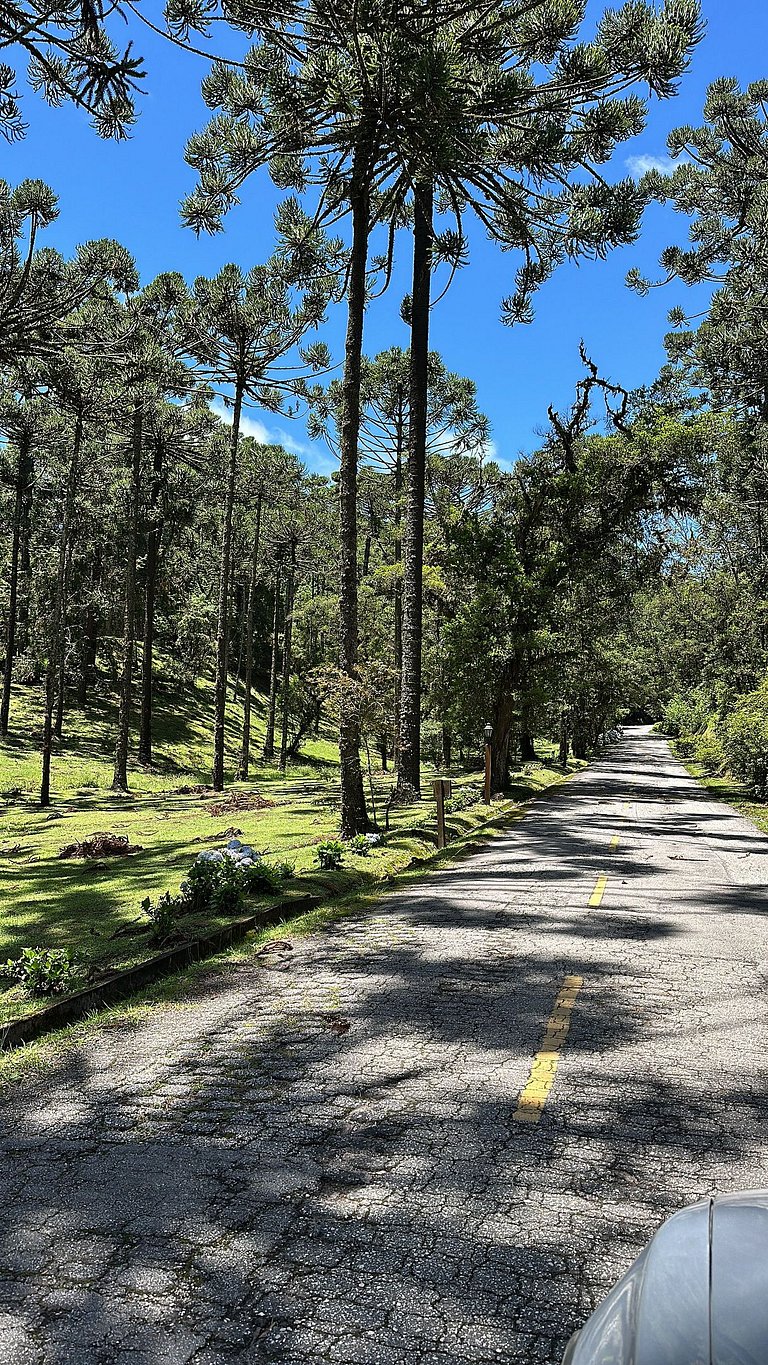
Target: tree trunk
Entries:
(87, 655)
(580, 745)
(527, 721)
(447, 746)
(287, 652)
(154, 539)
(220, 694)
(245, 748)
(50, 698)
(501, 748)
(120, 775)
(58, 728)
(505, 722)
(562, 756)
(241, 615)
(354, 816)
(527, 747)
(22, 479)
(398, 581)
(409, 764)
(51, 671)
(269, 735)
(25, 574)
(89, 642)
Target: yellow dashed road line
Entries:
(535, 1093)
(615, 841)
(599, 891)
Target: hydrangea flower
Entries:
(242, 855)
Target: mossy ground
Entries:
(93, 906)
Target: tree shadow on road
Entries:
(318, 1160)
(297, 1192)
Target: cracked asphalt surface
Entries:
(249, 1179)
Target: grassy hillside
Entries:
(182, 739)
(93, 905)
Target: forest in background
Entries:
(424, 591)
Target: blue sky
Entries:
(131, 191)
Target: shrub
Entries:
(201, 883)
(217, 878)
(330, 853)
(363, 843)
(707, 749)
(229, 889)
(267, 877)
(685, 715)
(465, 798)
(44, 971)
(745, 740)
(26, 669)
(163, 915)
(220, 878)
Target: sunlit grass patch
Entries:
(92, 905)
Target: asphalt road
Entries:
(348, 1153)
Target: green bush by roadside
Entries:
(217, 883)
(746, 740)
(730, 739)
(44, 971)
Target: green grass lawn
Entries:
(93, 906)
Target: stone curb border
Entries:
(20, 1031)
(121, 984)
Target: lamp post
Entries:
(488, 733)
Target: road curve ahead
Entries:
(435, 1134)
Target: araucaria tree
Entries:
(69, 56)
(510, 114)
(312, 104)
(239, 328)
(453, 426)
(502, 112)
(25, 422)
(145, 340)
(720, 185)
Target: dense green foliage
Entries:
(700, 630)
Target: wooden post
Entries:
(442, 791)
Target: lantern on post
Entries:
(488, 733)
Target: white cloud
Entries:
(640, 165)
(315, 456)
(249, 426)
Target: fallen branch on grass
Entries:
(230, 833)
(240, 801)
(102, 844)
